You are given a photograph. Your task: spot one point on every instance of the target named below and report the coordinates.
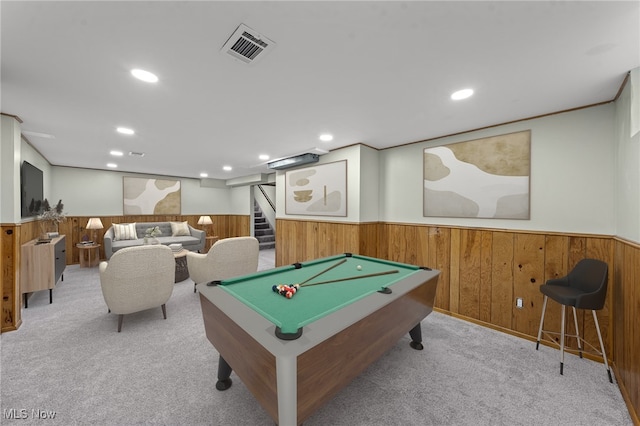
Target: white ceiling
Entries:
(378, 73)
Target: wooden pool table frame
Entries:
(293, 378)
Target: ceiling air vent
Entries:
(298, 160)
(247, 45)
(136, 154)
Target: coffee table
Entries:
(182, 272)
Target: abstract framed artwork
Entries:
(150, 196)
(317, 190)
(482, 178)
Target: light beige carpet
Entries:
(68, 358)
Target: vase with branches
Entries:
(51, 217)
(152, 232)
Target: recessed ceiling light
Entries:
(112, 165)
(144, 75)
(204, 175)
(461, 94)
(125, 130)
(264, 157)
(227, 168)
(116, 153)
(326, 137)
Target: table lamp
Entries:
(205, 221)
(93, 224)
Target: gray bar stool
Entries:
(585, 287)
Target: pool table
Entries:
(294, 354)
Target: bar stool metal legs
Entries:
(579, 340)
(544, 309)
(604, 355)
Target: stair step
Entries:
(262, 229)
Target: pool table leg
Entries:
(224, 374)
(416, 337)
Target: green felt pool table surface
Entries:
(328, 335)
(312, 302)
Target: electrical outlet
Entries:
(519, 302)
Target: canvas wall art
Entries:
(317, 190)
(483, 178)
(151, 196)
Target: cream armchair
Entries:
(138, 278)
(227, 258)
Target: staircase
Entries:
(262, 230)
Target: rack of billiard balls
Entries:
(289, 291)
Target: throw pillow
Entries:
(125, 231)
(180, 229)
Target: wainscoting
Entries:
(483, 271)
(224, 226)
(13, 236)
(626, 321)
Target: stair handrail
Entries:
(273, 206)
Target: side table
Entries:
(182, 272)
(86, 250)
(209, 242)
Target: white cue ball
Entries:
(359, 268)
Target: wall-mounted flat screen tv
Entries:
(31, 189)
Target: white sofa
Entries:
(195, 241)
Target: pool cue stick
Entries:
(322, 272)
(393, 271)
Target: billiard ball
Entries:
(359, 268)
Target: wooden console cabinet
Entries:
(41, 266)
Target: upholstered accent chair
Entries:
(138, 278)
(227, 258)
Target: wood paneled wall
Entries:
(483, 271)
(224, 226)
(14, 235)
(298, 241)
(10, 267)
(626, 321)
